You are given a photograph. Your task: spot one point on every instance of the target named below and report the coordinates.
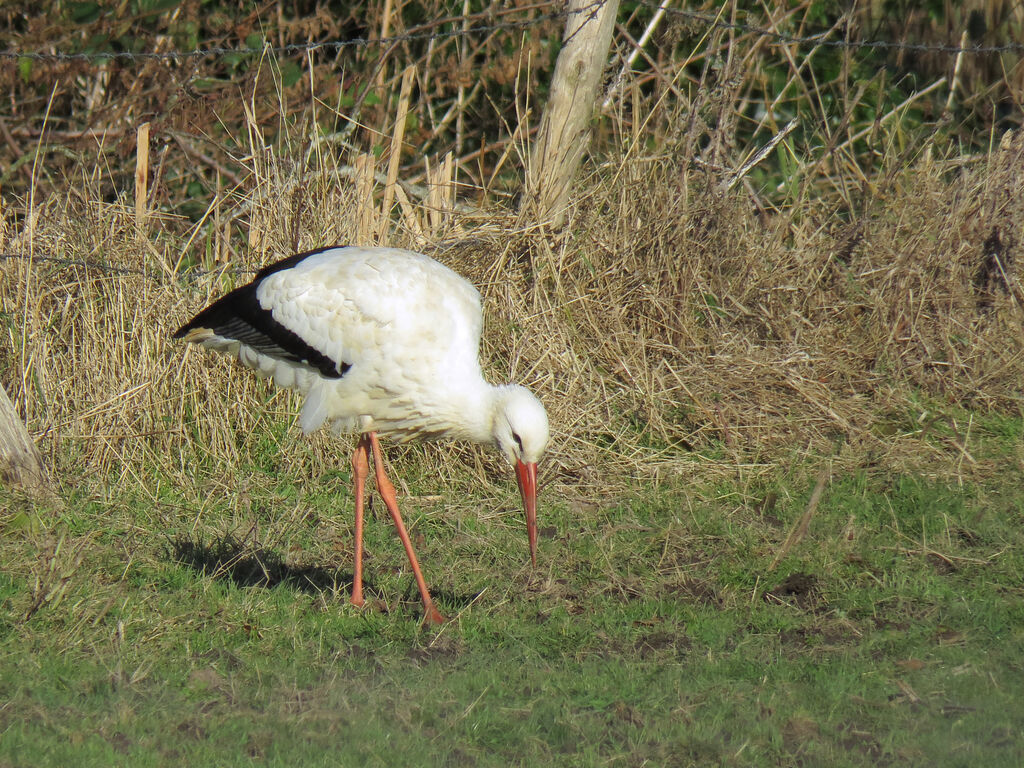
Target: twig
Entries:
(954, 81)
(881, 121)
(760, 155)
(656, 68)
(950, 559)
(196, 154)
(456, 108)
(637, 48)
(460, 101)
(800, 529)
(394, 160)
(93, 134)
(141, 177)
(892, 113)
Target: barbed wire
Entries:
(293, 48)
(821, 39)
(429, 32)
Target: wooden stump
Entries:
(21, 465)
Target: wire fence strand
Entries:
(430, 32)
(821, 39)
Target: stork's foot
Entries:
(432, 616)
(357, 601)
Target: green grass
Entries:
(209, 625)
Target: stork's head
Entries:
(520, 431)
(520, 427)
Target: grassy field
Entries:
(667, 624)
(782, 511)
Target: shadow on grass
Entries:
(244, 565)
(249, 565)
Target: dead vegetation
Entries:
(681, 311)
(661, 322)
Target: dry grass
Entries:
(665, 319)
(679, 313)
(709, 338)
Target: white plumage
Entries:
(378, 340)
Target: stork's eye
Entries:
(519, 440)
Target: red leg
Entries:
(360, 471)
(387, 493)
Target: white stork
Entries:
(378, 340)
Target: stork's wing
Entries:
(239, 317)
(388, 308)
(385, 308)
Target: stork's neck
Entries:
(474, 404)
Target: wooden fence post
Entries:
(564, 128)
(141, 178)
(20, 462)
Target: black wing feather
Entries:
(238, 315)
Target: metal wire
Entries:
(336, 46)
(286, 50)
(820, 39)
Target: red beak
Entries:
(526, 474)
